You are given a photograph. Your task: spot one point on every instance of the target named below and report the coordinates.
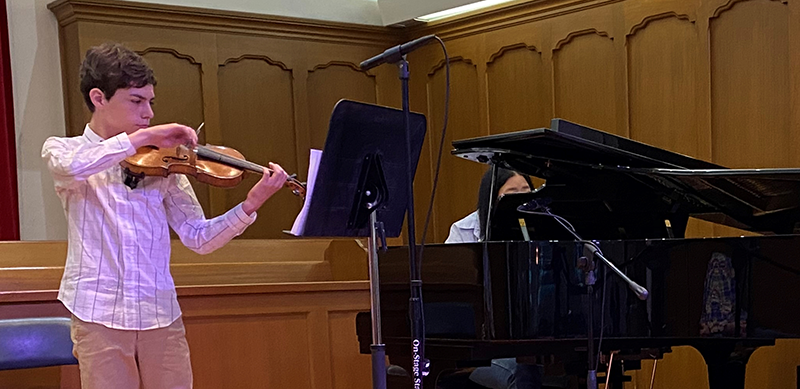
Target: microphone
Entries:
(535, 204)
(639, 290)
(396, 53)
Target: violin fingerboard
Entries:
(207, 153)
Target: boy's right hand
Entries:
(164, 136)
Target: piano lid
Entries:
(582, 164)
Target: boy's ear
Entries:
(97, 97)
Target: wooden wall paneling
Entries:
(684, 367)
(287, 355)
(302, 120)
(344, 353)
(794, 78)
(639, 15)
(387, 81)
(331, 73)
(76, 115)
(458, 190)
(184, 92)
(289, 334)
(750, 85)
(327, 84)
(750, 112)
(517, 89)
(179, 97)
(285, 52)
(257, 114)
(420, 62)
(518, 80)
(774, 367)
(662, 60)
(40, 378)
(533, 107)
(584, 80)
(586, 61)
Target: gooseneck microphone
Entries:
(540, 207)
(535, 204)
(396, 53)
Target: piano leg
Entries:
(727, 363)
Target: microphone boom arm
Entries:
(640, 291)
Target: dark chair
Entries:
(39, 342)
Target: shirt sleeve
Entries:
(465, 230)
(458, 235)
(70, 162)
(186, 217)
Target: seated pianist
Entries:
(503, 373)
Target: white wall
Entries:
(38, 113)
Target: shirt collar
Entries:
(91, 135)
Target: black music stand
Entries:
(361, 189)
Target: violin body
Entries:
(153, 161)
(218, 166)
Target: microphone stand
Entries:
(588, 268)
(397, 54)
(419, 365)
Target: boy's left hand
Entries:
(265, 188)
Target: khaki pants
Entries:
(122, 359)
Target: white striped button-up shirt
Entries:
(117, 269)
(466, 230)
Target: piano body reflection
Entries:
(516, 298)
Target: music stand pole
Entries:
(377, 348)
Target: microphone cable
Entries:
(441, 148)
(566, 224)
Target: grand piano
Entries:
(524, 295)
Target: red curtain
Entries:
(9, 204)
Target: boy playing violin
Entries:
(126, 323)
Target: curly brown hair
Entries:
(112, 66)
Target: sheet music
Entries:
(313, 165)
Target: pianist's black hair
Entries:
(503, 175)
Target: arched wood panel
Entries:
(518, 93)
(662, 84)
(257, 116)
(750, 90)
(179, 97)
(328, 84)
(457, 194)
(583, 81)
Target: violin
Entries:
(218, 166)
